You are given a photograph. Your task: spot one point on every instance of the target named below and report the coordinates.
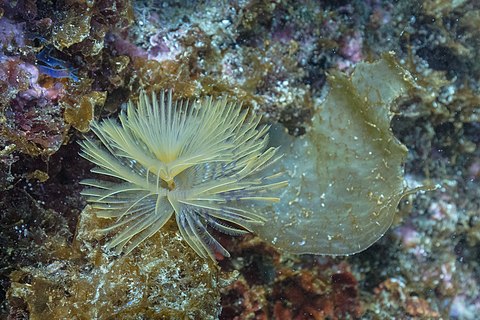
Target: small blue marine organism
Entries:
(54, 67)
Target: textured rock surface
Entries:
(164, 279)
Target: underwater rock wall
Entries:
(274, 57)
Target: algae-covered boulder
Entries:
(345, 174)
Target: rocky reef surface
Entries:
(64, 63)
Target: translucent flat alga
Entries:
(345, 174)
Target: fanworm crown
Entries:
(202, 161)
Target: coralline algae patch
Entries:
(346, 174)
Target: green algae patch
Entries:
(80, 115)
(74, 28)
(346, 173)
